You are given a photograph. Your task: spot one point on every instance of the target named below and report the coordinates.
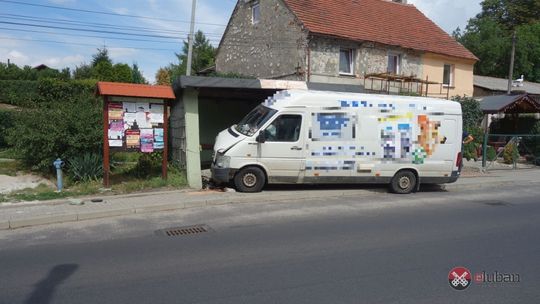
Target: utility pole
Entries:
(512, 57)
(190, 38)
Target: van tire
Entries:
(250, 179)
(404, 182)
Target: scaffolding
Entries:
(390, 83)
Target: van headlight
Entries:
(223, 161)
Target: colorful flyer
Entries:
(129, 120)
(115, 111)
(158, 139)
(133, 139)
(116, 125)
(147, 140)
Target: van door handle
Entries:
(296, 148)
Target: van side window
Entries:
(286, 128)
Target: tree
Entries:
(122, 73)
(137, 75)
(163, 76)
(83, 71)
(101, 56)
(489, 37)
(204, 55)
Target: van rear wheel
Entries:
(250, 179)
(404, 182)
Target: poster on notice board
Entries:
(136, 126)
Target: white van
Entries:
(309, 137)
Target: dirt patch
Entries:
(19, 182)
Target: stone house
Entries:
(341, 41)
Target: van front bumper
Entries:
(222, 175)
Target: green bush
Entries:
(6, 122)
(67, 122)
(148, 164)
(491, 154)
(469, 151)
(18, 92)
(510, 153)
(86, 167)
(472, 113)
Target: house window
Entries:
(448, 75)
(255, 13)
(394, 63)
(346, 61)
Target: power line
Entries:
(92, 24)
(89, 36)
(87, 30)
(85, 44)
(103, 13)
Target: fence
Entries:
(516, 151)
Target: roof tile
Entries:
(135, 90)
(379, 21)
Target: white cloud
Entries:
(123, 55)
(448, 14)
(17, 57)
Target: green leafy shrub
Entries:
(86, 167)
(6, 122)
(18, 92)
(472, 113)
(148, 164)
(491, 154)
(470, 151)
(67, 122)
(510, 153)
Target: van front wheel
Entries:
(404, 182)
(250, 179)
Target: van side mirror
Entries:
(261, 138)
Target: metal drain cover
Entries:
(183, 231)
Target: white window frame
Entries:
(351, 61)
(451, 76)
(256, 6)
(398, 63)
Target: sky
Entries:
(66, 33)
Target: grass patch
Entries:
(176, 179)
(9, 167)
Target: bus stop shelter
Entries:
(205, 106)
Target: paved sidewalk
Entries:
(19, 215)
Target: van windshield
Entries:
(255, 120)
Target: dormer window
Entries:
(255, 12)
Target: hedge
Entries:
(18, 92)
(65, 120)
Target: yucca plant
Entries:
(86, 167)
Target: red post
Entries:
(165, 156)
(106, 150)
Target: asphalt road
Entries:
(378, 248)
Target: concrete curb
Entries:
(226, 199)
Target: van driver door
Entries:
(283, 151)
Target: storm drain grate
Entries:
(182, 231)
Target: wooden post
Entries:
(427, 85)
(106, 150)
(165, 155)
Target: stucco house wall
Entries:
(433, 66)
